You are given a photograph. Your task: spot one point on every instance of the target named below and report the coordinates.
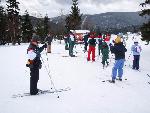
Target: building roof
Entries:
(80, 31)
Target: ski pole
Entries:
(48, 72)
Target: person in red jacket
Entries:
(92, 44)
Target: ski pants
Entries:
(34, 77)
(71, 46)
(136, 61)
(85, 46)
(118, 67)
(91, 50)
(99, 49)
(48, 48)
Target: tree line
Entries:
(15, 28)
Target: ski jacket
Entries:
(72, 39)
(136, 49)
(85, 39)
(119, 50)
(34, 54)
(105, 50)
(92, 41)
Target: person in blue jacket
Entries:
(119, 50)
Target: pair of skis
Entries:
(41, 92)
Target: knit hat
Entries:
(135, 41)
(35, 38)
(120, 35)
(118, 39)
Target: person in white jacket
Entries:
(136, 50)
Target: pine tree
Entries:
(46, 26)
(13, 19)
(73, 20)
(3, 25)
(27, 28)
(40, 29)
(145, 29)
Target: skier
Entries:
(105, 53)
(92, 44)
(119, 50)
(136, 49)
(66, 39)
(34, 62)
(49, 39)
(85, 39)
(71, 44)
(99, 43)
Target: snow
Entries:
(88, 93)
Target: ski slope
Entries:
(88, 93)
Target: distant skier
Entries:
(85, 40)
(92, 44)
(119, 50)
(136, 50)
(105, 54)
(49, 40)
(100, 40)
(66, 39)
(71, 44)
(34, 63)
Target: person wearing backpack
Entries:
(136, 50)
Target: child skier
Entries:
(136, 49)
(105, 54)
(34, 63)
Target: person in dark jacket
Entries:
(71, 44)
(34, 63)
(119, 50)
(85, 39)
(100, 41)
(92, 44)
(49, 40)
(105, 54)
(66, 39)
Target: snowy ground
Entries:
(88, 93)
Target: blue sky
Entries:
(57, 7)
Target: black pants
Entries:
(85, 46)
(136, 62)
(34, 77)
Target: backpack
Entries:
(137, 49)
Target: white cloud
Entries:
(54, 7)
